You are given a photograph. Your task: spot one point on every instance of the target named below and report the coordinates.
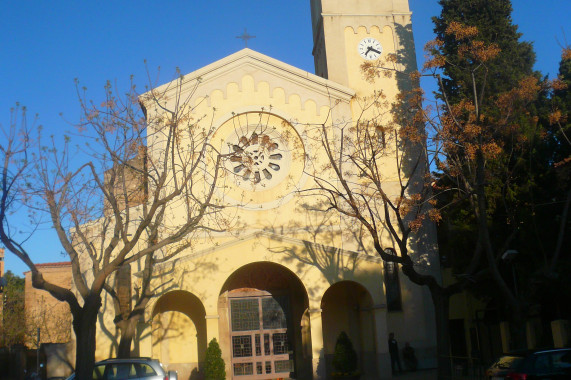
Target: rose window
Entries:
(256, 159)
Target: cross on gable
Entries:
(245, 37)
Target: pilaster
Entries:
(317, 349)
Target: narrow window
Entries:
(392, 286)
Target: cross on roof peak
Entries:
(245, 37)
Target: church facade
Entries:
(278, 288)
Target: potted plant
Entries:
(214, 367)
(345, 359)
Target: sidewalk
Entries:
(426, 374)
(431, 374)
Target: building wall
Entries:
(44, 311)
(274, 240)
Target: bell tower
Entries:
(348, 33)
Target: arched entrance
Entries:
(179, 332)
(348, 306)
(261, 307)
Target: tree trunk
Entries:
(441, 304)
(518, 332)
(128, 329)
(84, 326)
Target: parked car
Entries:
(132, 369)
(532, 365)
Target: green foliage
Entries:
(13, 282)
(13, 329)
(494, 23)
(345, 357)
(214, 368)
(507, 181)
(527, 182)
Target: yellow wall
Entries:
(275, 224)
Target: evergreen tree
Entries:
(550, 219)
(494, 23)
(560, 111)
(487, 79)
(214, 368)
(345, 357)
(465, 79)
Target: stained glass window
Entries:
(280, 343)
(242, 346)
(241, 369)
(273, 313)
(283, 366)
(245, 314)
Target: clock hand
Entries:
(369, 48)
(375, 50)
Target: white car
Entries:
(132, 369)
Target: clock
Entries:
(370, 49)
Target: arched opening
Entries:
(179, 331)
(348, 306)
(261, 308)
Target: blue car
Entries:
(532, 365)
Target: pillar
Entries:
(506, 335)
(532, 331)
(212, 328)
(561, 330)
(317, 350)
(383, 360)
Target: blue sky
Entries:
(44, 45)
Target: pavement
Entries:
(432, 374)
(426, 374)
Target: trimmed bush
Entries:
(214, 368)
(345, 357)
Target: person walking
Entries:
(394, 352)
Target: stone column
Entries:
(383, 360)
(505, 335)
(317, 350)
(532, 327)
(367, 351)
(561, 330)
(212, 328)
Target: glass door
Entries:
(259, 337)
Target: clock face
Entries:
(370, 49)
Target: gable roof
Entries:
(250, 59)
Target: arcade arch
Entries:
(179, 331)
(348, 306)
(263, 322)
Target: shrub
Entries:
(345, 357)
(214, 368)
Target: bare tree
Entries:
(139, 181)
(378, 171)
(377, 175)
